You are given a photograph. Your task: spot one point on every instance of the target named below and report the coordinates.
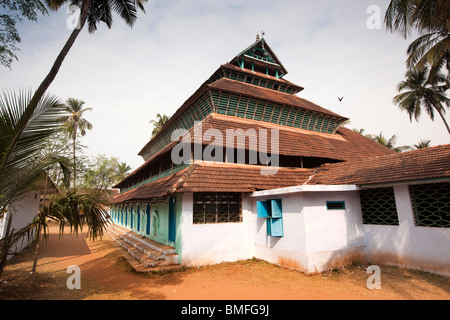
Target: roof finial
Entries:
(262, 34)
(257, 36)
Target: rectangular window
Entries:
(335, 205)
(431, 204)
(216, 207)
(378, 206)
(272, 211)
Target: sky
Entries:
(128, 75)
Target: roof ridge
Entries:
(186, 174)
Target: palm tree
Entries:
(122, 171)
(24, 132)
(94, 12)
(359, 131)
(430, 18)
(159, 123)
(423, 93)
(388, 143)
(422, 144)
(74, 123)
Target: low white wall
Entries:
(334, 237)
(289, 250)
(204, 244)
(315, 238)
(23, 212)
(407, 245)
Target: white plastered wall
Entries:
(315, 238)
(408, 245)
(204, 244)
(23, 213)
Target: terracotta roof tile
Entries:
(153, 190)
(228, 177)
(344, 145)
(216, 177)
(422, 164)
(262, 75)
(238, 87)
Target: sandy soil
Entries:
(105, 275)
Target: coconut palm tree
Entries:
(24, 133)
(75, 124)
(159, 123)
(421, 92)
(422, 144)
(388, 143)
(359, 131)
(122, 171)
(429, 18)
(94, 12)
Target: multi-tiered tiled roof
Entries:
(249, 92)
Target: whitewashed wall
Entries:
(204, 244)
(315, 238)
(23, 212)
(407, 245)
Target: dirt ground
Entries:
(105, 275)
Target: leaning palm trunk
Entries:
(45, 84)
(439, 110)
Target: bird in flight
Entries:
(340, 99)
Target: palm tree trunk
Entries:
(36, 248)
(53, 72)
(439, 110)
(74, 160)
(60, 58)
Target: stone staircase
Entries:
(143, 254)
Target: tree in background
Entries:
(94, 12)
(158, 123)
(104, 173)
(24, 133)
(430, 18)
(428, 62)
(421, 93)
(388, 142)
(13, 12)
(422, 144)
(75, 124)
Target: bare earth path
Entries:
(105, 275)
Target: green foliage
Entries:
(159, 123)
(422, 144)
(13, 12)
(104, 173)
(430, 19)
(74, 124)
(23, 137)
(419, 92)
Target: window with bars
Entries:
(217, 207)
(431, 204)
(378, 206)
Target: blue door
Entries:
(131, 217)
(138, 214)
(148, 219)
(172, 226)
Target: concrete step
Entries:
(150, 254)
